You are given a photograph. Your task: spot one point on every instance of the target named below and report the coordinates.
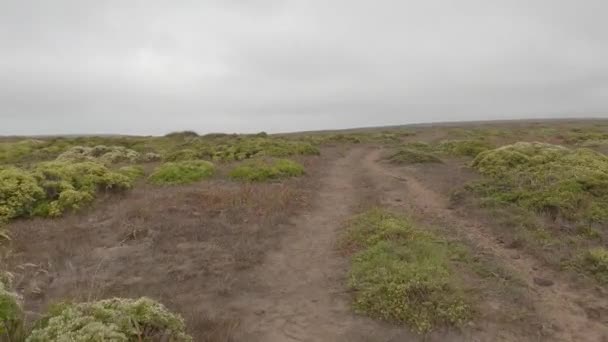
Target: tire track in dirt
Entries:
(299, 292)
(557, 304)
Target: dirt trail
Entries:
(558, 304)
(299, 291)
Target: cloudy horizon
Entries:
(150, 67)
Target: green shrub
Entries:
(19, 192)
(11, 313)
(595, 263)
(266, 169)
(70, 186)
(13, 152)
(470, 148)
(182, 172)
(182, 155)
(403, 274)
(551, 179)
(132, 171)
(241, 148)
(111, 320)
(410, 156)
(100, 153)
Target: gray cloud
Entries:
(250, 65)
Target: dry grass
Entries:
(191, 247)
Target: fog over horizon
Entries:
(151, 67)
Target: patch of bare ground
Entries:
(192, 247)
(543, 304)
(298, 293)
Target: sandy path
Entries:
(299, 291)
(557, 304)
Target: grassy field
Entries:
(448, 232)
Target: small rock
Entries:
(543, 282)
(516, 256)
(260, 312)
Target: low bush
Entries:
(19, 192)
(134, 172)
(266, 169)
(182, 172)
(181, 155)
(11, 313)
(100, 153)
(110, 320)
(241, 148)
(568, 183)
(400, 273)
(411, 156)
(70, 186)
(469, 148)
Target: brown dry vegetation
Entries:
(190, 247)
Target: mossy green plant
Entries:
(551, 179)
(402, 274)
(260, 170)
(114, 319)
(412, 156)
(182, 172)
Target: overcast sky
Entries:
(150, 67)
